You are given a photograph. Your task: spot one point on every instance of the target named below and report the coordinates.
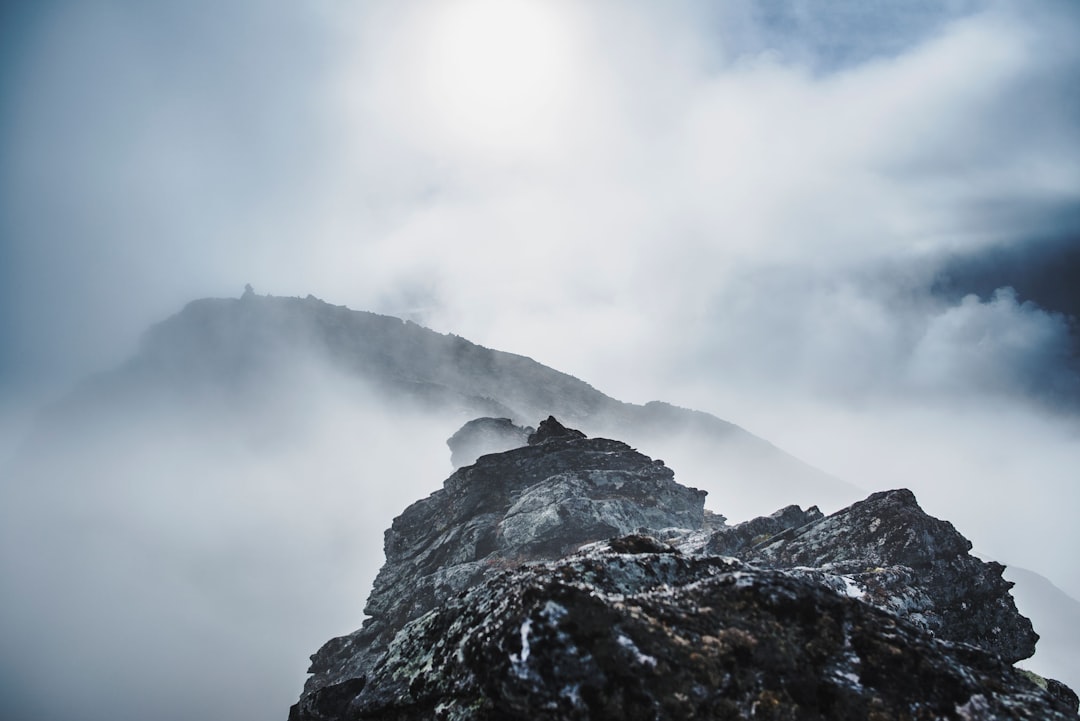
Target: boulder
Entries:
(482, 436)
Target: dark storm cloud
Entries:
(1040, 273)
(1043, 268)
(828, 37)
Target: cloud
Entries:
(996, 344)
(182, 555)
(163, 154)
(751, 208)
(756, 162)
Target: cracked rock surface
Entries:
(889, 552)
(607, 635)
(573, 578)
(539, 501)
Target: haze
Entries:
(784, 213)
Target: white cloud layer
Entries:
(741, 207)
(569, 156)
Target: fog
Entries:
(803, 218)
(173, 560)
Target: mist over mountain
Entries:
(574, 578)
(225, 490)
(845, 228)
(1057, 611)
(219, 345)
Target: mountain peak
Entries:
(230, 344)
(574, 578)
(551, 430)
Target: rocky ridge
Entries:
(574, 578)
(219, 346)
(540, 501)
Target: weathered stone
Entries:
(731, 540)
(889, 552)
(572, 578)
(540, 501)
(606, 635)
(551, 430)
(1063, 693)
(482, 436)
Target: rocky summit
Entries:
(573, 578)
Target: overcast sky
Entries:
(760, 185)
(744, 207)
(733, 206)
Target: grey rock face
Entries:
(889, 552)
(651, 635)
(482, 436)
(537, 502)
(573, 578)
(552, 430)
(733, 540)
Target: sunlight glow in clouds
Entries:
(739, 206)
(490, 75)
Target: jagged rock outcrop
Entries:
(734, 540)
(481, 436)
(551, 430)
(501, 599)
(887, 550)
(540, 501)
(610, 635)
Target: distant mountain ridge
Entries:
(215, 341)
(213, 334)
(224, 493)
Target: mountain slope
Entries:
(218, 502)
(501, 599)
(1057, 620)
(224, 493)
(221, 345)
